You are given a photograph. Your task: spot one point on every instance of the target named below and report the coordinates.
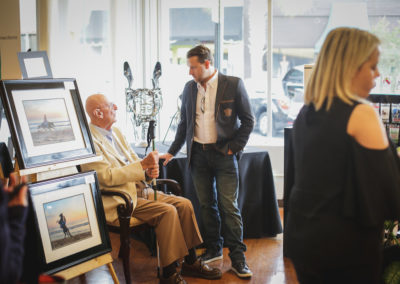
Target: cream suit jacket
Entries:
(113, 172)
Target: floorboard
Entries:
(264, 257)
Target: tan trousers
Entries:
(174, 221)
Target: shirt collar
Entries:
(212, 82)
(106, 133)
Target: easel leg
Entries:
(112, 272)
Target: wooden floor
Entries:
(264, 257)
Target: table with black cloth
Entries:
(257, 199)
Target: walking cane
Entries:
(151, 139)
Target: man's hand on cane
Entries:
(150, 164)
(153, 172)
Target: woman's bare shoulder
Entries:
(366, 127)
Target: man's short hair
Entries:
(202, 52)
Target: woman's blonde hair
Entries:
(341, 55)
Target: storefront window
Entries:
(80, 44)
(28, 25)
(299, 30)
(89, 41)
(184, 26)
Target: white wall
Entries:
(10, 39)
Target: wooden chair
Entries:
(125, 226)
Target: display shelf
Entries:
(58, 166)
(388, 107)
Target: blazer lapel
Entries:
(106, 144)
(222, 82)
(118, 141)
(193, 97)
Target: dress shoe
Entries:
(201, 270)
(241, 269)
(175, 278)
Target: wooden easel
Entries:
(89, 265)
(59, 170)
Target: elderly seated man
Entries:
(121, 169)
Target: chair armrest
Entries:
(172, 185)
(123, 210)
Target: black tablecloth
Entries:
(257, 199)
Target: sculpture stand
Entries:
(143, 143)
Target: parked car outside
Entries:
(293, 83)
(280, 113)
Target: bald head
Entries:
(100, 111)
(93, 102)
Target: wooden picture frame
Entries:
(47, 121)
(70, 224)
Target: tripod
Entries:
(170, 124)
(174, 117)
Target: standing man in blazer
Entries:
(212, 106)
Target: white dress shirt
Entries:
(205, 130)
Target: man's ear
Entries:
(207, 63)
(98, 113)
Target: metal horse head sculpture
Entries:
(143, 105)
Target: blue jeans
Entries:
(216, 180)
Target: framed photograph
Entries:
(34, 65)
(46, 121)
(70, 221)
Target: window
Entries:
(299, 30)
(80, 44)
(90, 40)
(28, 25)
(184, 25)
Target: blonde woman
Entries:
(345, 180)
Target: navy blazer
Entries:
(233, 116)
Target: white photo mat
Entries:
(35, 64)
(35, 67)
(46, 94)
(50, 196)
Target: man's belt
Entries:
(204, 147)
